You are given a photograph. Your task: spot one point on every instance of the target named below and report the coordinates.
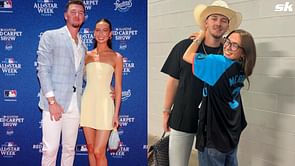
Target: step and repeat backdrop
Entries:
(22, 24)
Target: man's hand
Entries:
(166, 127)
(56, 111)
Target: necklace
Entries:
(204, 49)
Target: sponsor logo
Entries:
(90, 3)
(125, 120)
(8, 46)
(10, 95)
(9, 149)
(6, 4)
(124, 34)
(9, 34)
(123, 6)
(126, 95)
(11, 120)
(284, 7)
(38, 147)
(127, 66)
(81, 149)
(87, 36)
(121, 152)
(45, 7)
(123, 45)
(10, 67)
(9, 132)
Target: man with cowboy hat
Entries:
(183, 90)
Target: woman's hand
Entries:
(197, 35)
(116, 122)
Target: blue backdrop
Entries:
(22, 24)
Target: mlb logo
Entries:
(125, 60)
(10, 93)
(9, 60)
(81, 148)
(86, 30)
(7, 4)
(10, 144)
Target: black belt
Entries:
(74, 89)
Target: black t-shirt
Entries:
(184, 115)
(222, 116)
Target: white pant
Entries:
(180, 147)
(68, 126)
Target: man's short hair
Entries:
(76, 2)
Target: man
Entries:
(60, 72)
(183, 90)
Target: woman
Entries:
(99, 113)
(222, 118)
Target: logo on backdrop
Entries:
(6, 6)
(90, 3)
(126, 95)
(8, 46)
(10, 67)
(9, 149)
(127, 66)
(45, 7)
(81, 149)
(9, 34)
(126, 119)
(123, 6)
(123, 35)
(87, 36)
(121, 152)
(10, 95)
(38, 147)
(10, 122)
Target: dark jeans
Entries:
(213, 157)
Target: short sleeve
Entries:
(210, 68)
(172, 65)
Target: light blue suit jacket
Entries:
(56, 68)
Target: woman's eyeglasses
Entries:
(233, 46)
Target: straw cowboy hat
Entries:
(202, 12)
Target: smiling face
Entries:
(75, 15)
(102, 32)
(232, 47)
(216, 25)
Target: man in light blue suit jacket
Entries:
(60, 68)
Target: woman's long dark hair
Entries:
(110, 39)
(249, 51)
